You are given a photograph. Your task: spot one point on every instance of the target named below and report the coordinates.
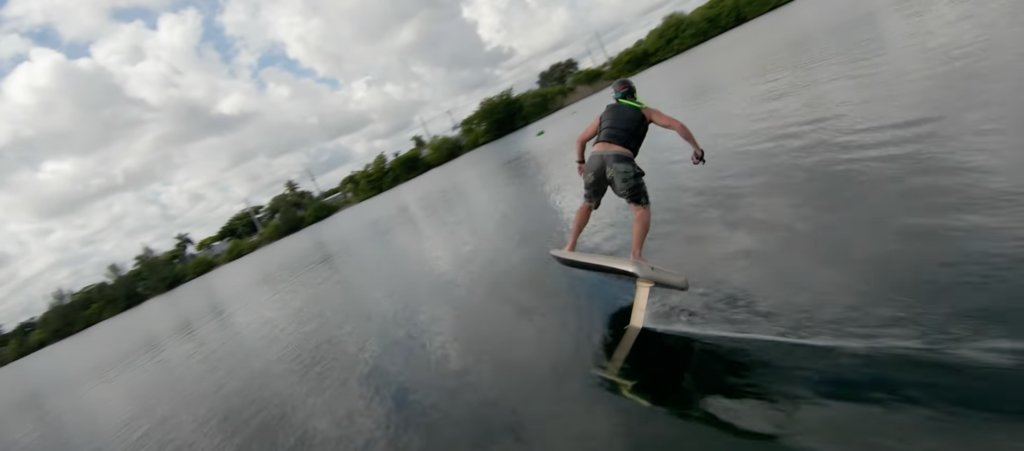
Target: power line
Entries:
(313, 178)
(455, 126)
(424, 127)
(603, 50)
(255, 220)
(591, 55)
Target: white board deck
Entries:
(622, 267)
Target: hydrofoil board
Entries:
(622, 267)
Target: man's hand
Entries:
(665, 121)
(697, 157)
(586, 136)
(579, 169)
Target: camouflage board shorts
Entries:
(617, 170)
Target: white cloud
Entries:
(13, 45)
(533, 27)
(541, 32)
(151, 131)
(74, 20)
(418, 49)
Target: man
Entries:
(620, 130)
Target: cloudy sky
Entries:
(124, 122)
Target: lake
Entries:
(853, 246)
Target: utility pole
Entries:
(606, 57)
(591, 55)
(455, 125)
(259, 227)
(315, 185)
(425, 128)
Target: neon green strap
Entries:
(641, 104)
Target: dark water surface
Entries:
(854, 246)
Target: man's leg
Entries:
(628, 183)
(582, 217)
(641, 225)
(594, 186)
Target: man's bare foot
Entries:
(639, 258)
(571, 247)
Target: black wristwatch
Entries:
(580, 161)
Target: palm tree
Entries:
(418, 142)
(181, 248)
(59, 297)
(146, 255)
(183, 242)
(114, 272)
(291, 187)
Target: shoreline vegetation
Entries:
(153, 273)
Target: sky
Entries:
(125, 122)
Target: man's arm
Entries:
(585, 137)
(663, 120)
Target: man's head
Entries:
(624, 89)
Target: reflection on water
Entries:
(763, 389)
(676, 373)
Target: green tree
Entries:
(377, 175)
(496, 117)
(330, 192)
(318, 211)
(291, 187)
(146, 255)
(292, 198)
(351, 185)
(199, 266)
(59, 297)
(182, 242)
(407, 166)
(238, 249)
(587, 77)
(156, 274)
(288, 221)
(205, 243)
(19, 344)
(538, 103)
(679, 32)
(240, 225)
(443, 149)
(114, 272)
(179, 254)
(632, 60)
(418, 142)
(558, 73)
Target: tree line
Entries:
(153, 273)
(508, 111)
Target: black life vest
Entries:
(624, 125)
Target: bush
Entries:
(443, 149)
(679, 32)
(587, 77)
(495, 117)
(238, 249)
(537, 103)
(558, 74)
(407, 166)
(319, 210)
(199, 266)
